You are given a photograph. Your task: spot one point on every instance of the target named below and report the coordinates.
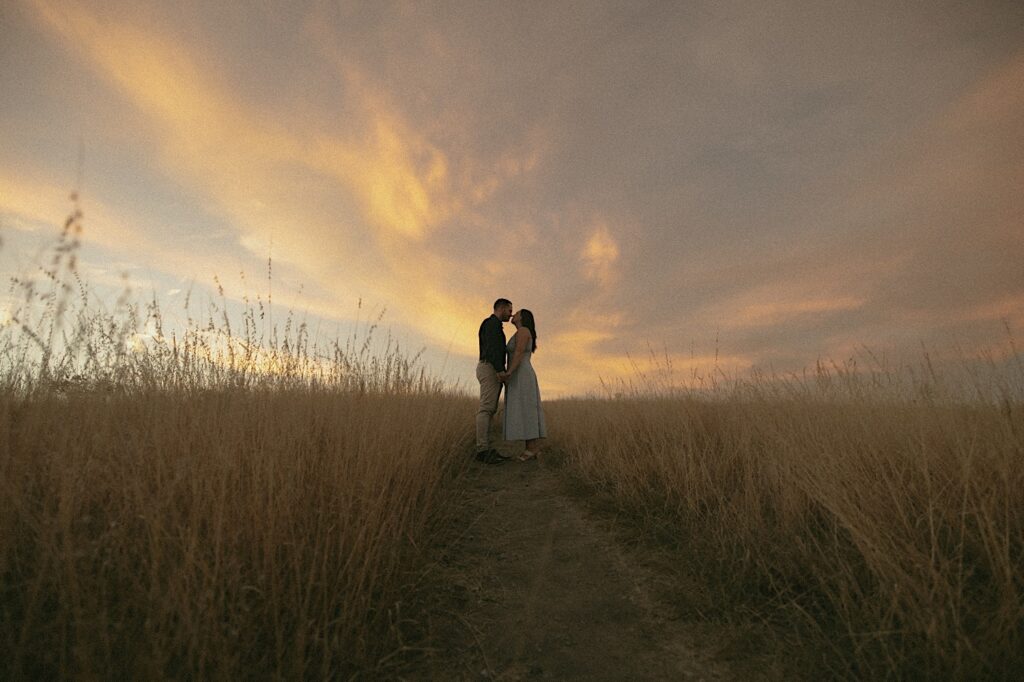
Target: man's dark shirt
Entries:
(492, 343)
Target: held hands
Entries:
(503, 376)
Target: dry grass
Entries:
(221, 533)
(208, 503)
(882, 529)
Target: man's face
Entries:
(504, 313)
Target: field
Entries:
(215, 503)
(215, 533)
(226, 504)
(875, 536)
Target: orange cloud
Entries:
(994, 100)
(31, 202)
(235, 155)
(1009, 309)
(599, 256)
(774, 312)
(271, 179)
(401, 179)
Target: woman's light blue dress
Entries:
(524, 417)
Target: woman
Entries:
(524, 418)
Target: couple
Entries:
(524, 418)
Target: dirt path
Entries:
(535, 588)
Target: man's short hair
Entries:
(500, 302)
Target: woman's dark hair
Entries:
(526, 318)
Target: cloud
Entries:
(37, 205)
(117, 241)
(773, 311)
(387, 187)
(600, 255)
(791, 179)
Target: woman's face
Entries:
(515, 318)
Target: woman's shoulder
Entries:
(523, 333)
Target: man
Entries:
(492, 361)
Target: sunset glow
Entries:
(745, 185)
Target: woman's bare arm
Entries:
(523, 337)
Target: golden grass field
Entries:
(223, 504)
(215, 504)
(215, 533)
(882, 537)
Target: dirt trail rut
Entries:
(534, 588)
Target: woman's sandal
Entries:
(527, 456)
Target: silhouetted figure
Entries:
(524, 416)
(492, 361)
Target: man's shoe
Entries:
(491, 456)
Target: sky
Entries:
(757, 185)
